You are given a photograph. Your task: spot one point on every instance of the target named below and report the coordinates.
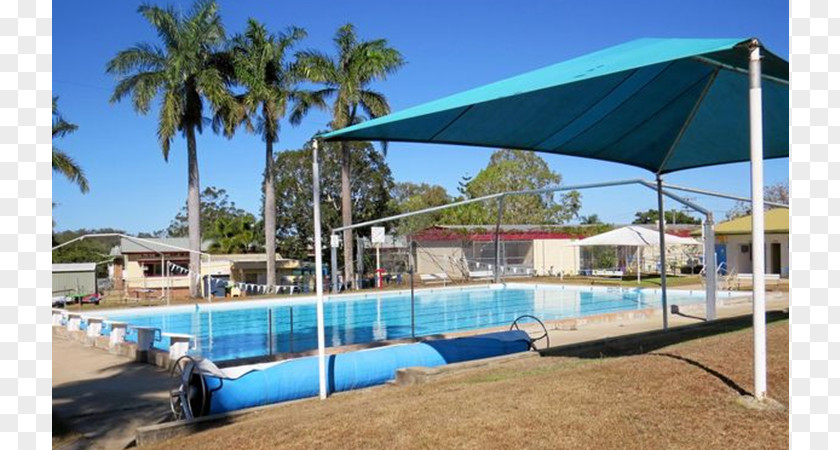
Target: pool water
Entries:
(230, 331)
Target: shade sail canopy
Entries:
(660, 104)
(633, 236)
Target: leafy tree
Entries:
(673, 216)
(270, 89)
(408, 197)
(185, 72)
(346, 77)
(591, 219)
(86, 250)
(234, 234)
(778, 193)
(370, 191)
(61, 161)
(511, 170)
(215, 205)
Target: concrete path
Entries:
(690, 315)
(105, 397)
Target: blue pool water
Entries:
(231, 331)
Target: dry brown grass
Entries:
(666, 399)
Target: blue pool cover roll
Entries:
(298, 378)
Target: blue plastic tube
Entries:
(298, 378)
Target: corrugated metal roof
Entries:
(162, 245)
(74, 267)
(775, 221)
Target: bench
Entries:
(481, 275)
(434, 278)
(608, 273)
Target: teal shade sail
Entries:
(659, 104)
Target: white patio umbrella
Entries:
(633, 236)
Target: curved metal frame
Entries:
(515, 325)
(184, 396)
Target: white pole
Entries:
(711, 267)
(319, 276)
(757, 178)
(662, 264)
(378, 274)
(638, 267)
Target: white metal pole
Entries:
(378, 273)
(319, 275)
(757, 178)
(638, 267)
(711, 267)
(662, 264)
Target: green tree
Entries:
(185, 72)
(778, 193)
(235, 234)
(215, 205)
(591, 219)
(408, 197)
(673, 216)
(347, 78)
(61, 161)
(270, 90)
(370, 190)
(511, 170)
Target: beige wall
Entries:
(740, 262)
(555, 256)
(443, 256)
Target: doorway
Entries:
(775, 258)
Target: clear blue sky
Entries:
(450, 46)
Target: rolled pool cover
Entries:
(298, 378)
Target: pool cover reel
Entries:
(205, 389)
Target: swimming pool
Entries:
(239, 330)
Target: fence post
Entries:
(270, 339)
(411, 282)
(498, 257)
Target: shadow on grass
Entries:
(640, 343)
(726, 380)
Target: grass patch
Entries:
(679, 396)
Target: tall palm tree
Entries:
(347, 77)
(185, 71)
(62, 162)
(270, 89)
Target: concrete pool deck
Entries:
(107, 397)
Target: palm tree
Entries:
(260, 67)
(185, 71)
(62, 162)
(347, 78)
(234, 235)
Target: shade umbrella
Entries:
(659, 104)
(633, 236)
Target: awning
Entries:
(659, 104)
(633, 236)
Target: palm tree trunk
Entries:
(270, 216)
(346, 212)
(193, 213)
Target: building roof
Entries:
(158, 245)
(775, 221)
(529, 232)
(74, 267)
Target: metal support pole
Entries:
(411, 282)
(711, 266)
(662, 263)
(319, 274)
(757, 178)
(270, 340)
(334, 263)
(497, 275)
(291, 330)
